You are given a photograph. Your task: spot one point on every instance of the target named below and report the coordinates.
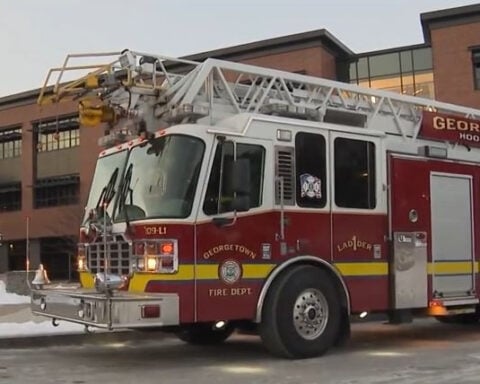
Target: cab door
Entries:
(451, 207)
(233, 248)
(359, 220)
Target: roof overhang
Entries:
(278, 44)
(447, 18)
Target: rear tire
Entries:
(204, 334)
(301, 315)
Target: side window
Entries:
(476, 68)
(310, 168)
(217, 199)
(354, 173)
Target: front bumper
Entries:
(90, 308)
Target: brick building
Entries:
(47, 159)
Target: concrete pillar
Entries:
(3, 258)
(35, 259)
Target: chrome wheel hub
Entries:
(310, 314)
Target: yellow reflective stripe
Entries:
(257, 271)
(187, 272)
(362, 269)
(86, 280)
(380, 269)
(452, 267)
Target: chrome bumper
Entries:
(122, 310)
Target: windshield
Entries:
(105, 182)
(161, 178)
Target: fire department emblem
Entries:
(311, 186)
(230, 271)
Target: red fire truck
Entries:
(231, 196)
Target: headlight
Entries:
(81, 258)
(156, 255)
(152, 262)
(81, 263)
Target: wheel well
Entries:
(335, 276)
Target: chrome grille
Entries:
(118, 251)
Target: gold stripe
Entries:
(452, 267)
(362, 269)
(257, 271)
(381, 269)
(186, 272)
(86, 280)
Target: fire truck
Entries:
(231, 196)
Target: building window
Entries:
(10, 197)
(408, 72)
(422, 59)
(57, 134)
(57, 255)
(354, 173)
(310, 164)
(55, 191)
(218, 198)
(10, 142)
(476, 67)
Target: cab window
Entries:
(354, 173)
(310, 165)
(218, 199)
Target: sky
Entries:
(36, 35)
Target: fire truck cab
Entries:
(232, 196)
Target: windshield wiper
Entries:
(108, 193)
(124, 191)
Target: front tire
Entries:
(204, 334)
(301, 315)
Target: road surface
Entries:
(420, 353)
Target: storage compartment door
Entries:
(452, 238)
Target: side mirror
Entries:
(240, 185)
(241, 203)
(240, 177)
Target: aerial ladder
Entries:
(137, 93)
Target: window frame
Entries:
(411, 64)
(377, 168)
(55, 191)
(475, 56)
(57, 134)
(11, 197)
(211, 163)
(10, 147)
(324, 177)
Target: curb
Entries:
(79, 339)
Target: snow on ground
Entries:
(31, 328)
(11, 298)
(23, 323)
